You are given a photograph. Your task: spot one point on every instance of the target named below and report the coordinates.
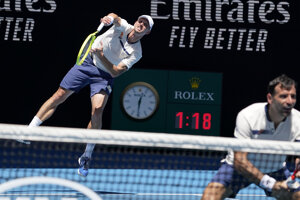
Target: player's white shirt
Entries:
(116, 48)
(252, 123)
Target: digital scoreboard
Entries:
(185, 102)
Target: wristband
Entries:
(267, 182)
(111, 19)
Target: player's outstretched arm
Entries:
(246, 168)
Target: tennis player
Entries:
(113, 53)
(274, 120)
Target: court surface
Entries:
(131, 184)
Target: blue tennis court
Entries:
(133, 184)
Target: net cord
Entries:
(145, 139)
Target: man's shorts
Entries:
(230, 178)
(87, 74)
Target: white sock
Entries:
(88, 150)
(35, 122)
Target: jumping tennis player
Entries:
(274, 120)
(113, 53)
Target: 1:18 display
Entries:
(193, 120)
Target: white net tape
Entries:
(112, 137)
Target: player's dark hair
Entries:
(285, 82)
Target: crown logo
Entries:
(195, 82)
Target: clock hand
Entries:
(139, 104)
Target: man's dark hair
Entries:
(285, 82)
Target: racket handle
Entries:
(292, 177)
(100, 27)
(294, 174)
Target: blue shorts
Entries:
(230, 178)
(87, 74)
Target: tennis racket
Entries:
(87, 45)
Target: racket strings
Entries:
(87, 45)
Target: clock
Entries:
(139, 100)
(177, 102)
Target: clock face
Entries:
(140, 100)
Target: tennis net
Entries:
(125, 165)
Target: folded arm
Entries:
(114, 70)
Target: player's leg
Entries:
(100, 84)
(227, 182)
(98, 104)
(49, 107)
(100, 87)
(73, 81)
(98, 101)
(215, 191)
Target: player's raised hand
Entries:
(107, 20)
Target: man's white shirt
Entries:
(116, 47)
(252, 123)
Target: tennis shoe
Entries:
(84, 163)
